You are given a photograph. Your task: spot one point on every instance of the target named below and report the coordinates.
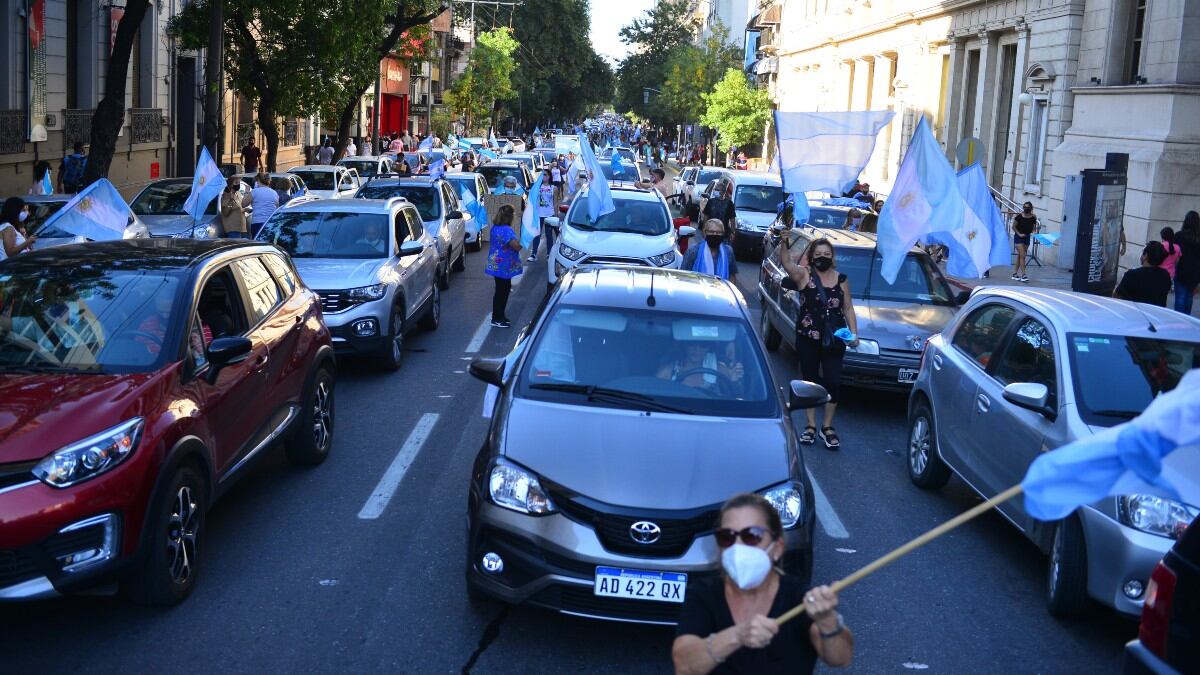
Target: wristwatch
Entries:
(841, 626)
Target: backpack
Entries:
(73, 167)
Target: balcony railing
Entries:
(12, 132)
(146, 125)
(77, 126)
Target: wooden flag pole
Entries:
(929, 536)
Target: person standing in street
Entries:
(265, 200)
(13, 215)
(1023, 226)
(825, 306)
(548, 197)
(233, 209)
(251, 156)
(1149, 283)
(41, 179)
(720, 206)
(1187, 270)
(503, 263)
(70, 172)
(325, 154)
(351, 148)
(715, 257)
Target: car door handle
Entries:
(937, 361)
(983, 403)
(262, 361)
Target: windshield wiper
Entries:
(582, 226)
(1123, 414)
(595, 393)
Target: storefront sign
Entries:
(393, 77)
(115, 14)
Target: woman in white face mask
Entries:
(726, 626)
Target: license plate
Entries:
(614, 582)
(907, 375)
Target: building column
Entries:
(989, 55)
(1011, 182)
(958, 66)
(862, 84)
(881, 99)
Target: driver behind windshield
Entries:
(373, 237)
(699, 368)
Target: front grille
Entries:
(613, 260)
(67, 543)
(15, 474)
(335, 301)
(581, 599)
(901, 354)
(612, 526)
(15, 567)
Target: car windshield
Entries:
(635, 216)
(706, 176)
(424, 197)
(365, 168)
(527, 161)
(649, 360)
(38, 213)
(917, 282)
(317, 180)
(494, 174)
(628, 172)
(166, 199)
(1116, 377)
(85, 319)
(334, 234)
(827, 218)
(760, 198)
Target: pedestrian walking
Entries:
(251, 156)
(325, 154)
(1149, 283)
(825, 307)
(720, 206)
(503, 263)
(548, 198)
(70, 172)
(715, 257)
(351, 148)
(265, 200)
(1187, 270)
(13, 215)
(1023, 226)
(42, 183)
(1172, 251)
(726, 624)
(233, 209)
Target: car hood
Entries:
(167, 225)
(619, 456)
(42, 413)
(623, 244)
(324, 194)
(759, 219)
(334, 273)
(892, 324)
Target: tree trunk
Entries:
(211, 135)
(345, 118)
(270, 127)
(110, 112)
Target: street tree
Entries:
(652, 37)
(487, 82)
(691, 71)
(110, 111)
(557, 68)
(738, 111)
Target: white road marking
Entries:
(390, 481)
(846, 550)
(480, 335)
(825, 513)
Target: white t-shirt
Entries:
(546, 201)
(556, 174)
(265, 201)
(351, 149)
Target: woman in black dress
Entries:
(1023, 225)
(727, 624)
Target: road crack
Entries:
(490, 633)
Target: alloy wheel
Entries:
(322, 417)
(918, 446)
(397, 338)
(1056, 560)
(183, 526)
(437, 304)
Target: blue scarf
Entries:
(701, 264)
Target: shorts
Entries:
(1022, 239)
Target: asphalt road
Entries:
(296, 579)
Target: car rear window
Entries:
(317, 180)
(1116, 377)
(321, 234)
(917, 282)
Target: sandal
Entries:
(830, 437)
(809, 436)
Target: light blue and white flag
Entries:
(474, 206)
(1153, 454)
(981, 242)
(47, 185)
(825, 151)
(207, 184)
(618, 169)
(426, 145)
(600, 201)
(492, 138)
(438, 168)
(98, 213)
(537, 131)
(924, 200)
(531, 224)
(488, 153)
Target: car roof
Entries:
(129, 253)
(842, 238)
(362, 158)
(500, 164)
(42, 199)
(346, 205)
(273, 174)
(315, 167)
(1086, 313)
(461, 175)
(626, 192)
(397, 179)
(673, 290)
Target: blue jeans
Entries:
(1183, 297)
(548, 233)
(235, 235)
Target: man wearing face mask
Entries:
(715, 258)
(727, 624)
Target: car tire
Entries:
(443, 278)
(474, 246)
(1066, 571)
(772, 338)
(460, 263)
(176, 521)
(391, 356)
(433, 316)
(925, 468)
(309, 444)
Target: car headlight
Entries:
(1156, 515)
(367, 293)
(663, 259)
(208, 231)
(569, 253)
(788, 500)
(90, 457)
(744, 224)
(515, 488)
(866, 347)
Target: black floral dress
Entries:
(813, 318)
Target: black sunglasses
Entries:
(751, 536)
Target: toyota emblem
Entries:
(645, 532)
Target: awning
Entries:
(767, 66)
(768, 17)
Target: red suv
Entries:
(138, 379)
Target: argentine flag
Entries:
(982, 241)
(207, 185)
(531, 224)
(600, 201)
(474, 207)
(98, 213)
(426, 145)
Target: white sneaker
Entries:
(532, 258)
(1024, 279)
(1015, 278)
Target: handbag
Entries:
(831, 322)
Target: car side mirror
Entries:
(411, 248)
(226, 351)
(962, 297)
(1030, 396)
(553, 221)
(687, 231)
(454, 215)
(803, 395)
(490, 371)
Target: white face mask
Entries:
(746, 565)
(22, 216)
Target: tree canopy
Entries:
(691, 71)
(653, 37)
(736, 110)
(559, 74)
(487, 81)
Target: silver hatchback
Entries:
(1023, 371)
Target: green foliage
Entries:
(653, 36)
(690, 72)
(559, 74)
(488, 77)
(736, 110)
(440, 122)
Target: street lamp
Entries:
(1025, 98)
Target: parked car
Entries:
(373, 265)
(639, 232)
(756, 199)
(532, 161)
(826, 216)
(1023, 371)
(444, 220)
(1166, 641)
(894, 320)
(41, 207)
(473, 183)
(160, 206)
(602, 366)
(496, 170)
(328, 182)
(366, 167)
(701, 178)
(288, 186)
(138, 387)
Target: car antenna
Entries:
(1149, 322)
(650, 300)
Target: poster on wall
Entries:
(1106, 233)
(35, 66)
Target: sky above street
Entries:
(607, 20)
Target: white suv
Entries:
(639, 232)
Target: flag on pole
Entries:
(982, 241)
(474, 206)
(488, 153)
(531, 224)
(537, 131)
(96, 213)
(1151, 454)
(924, 200)
(47, 184)
(600, 201)
(438, 168)
(426, 145)
(207, 185)
(492, 138)
(825, 151)
(618, 169)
